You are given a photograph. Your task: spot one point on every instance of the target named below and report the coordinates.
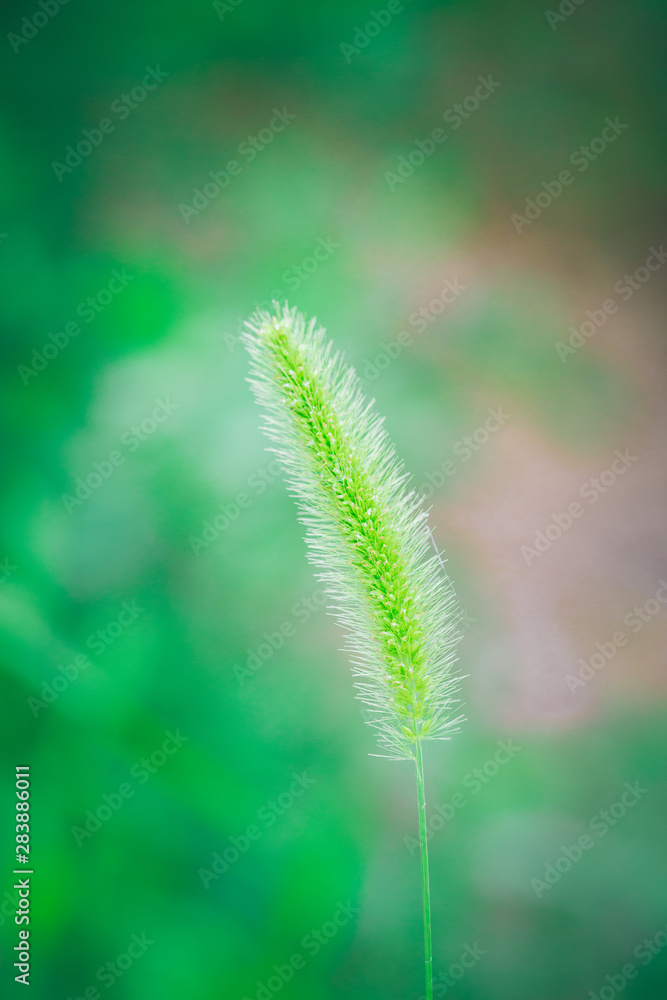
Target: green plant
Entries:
(369, 537)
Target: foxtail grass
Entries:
(368, 535)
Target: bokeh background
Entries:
(167, 598)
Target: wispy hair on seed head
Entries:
(366, 531)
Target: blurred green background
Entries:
(167, 665)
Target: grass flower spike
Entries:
(368, 535)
